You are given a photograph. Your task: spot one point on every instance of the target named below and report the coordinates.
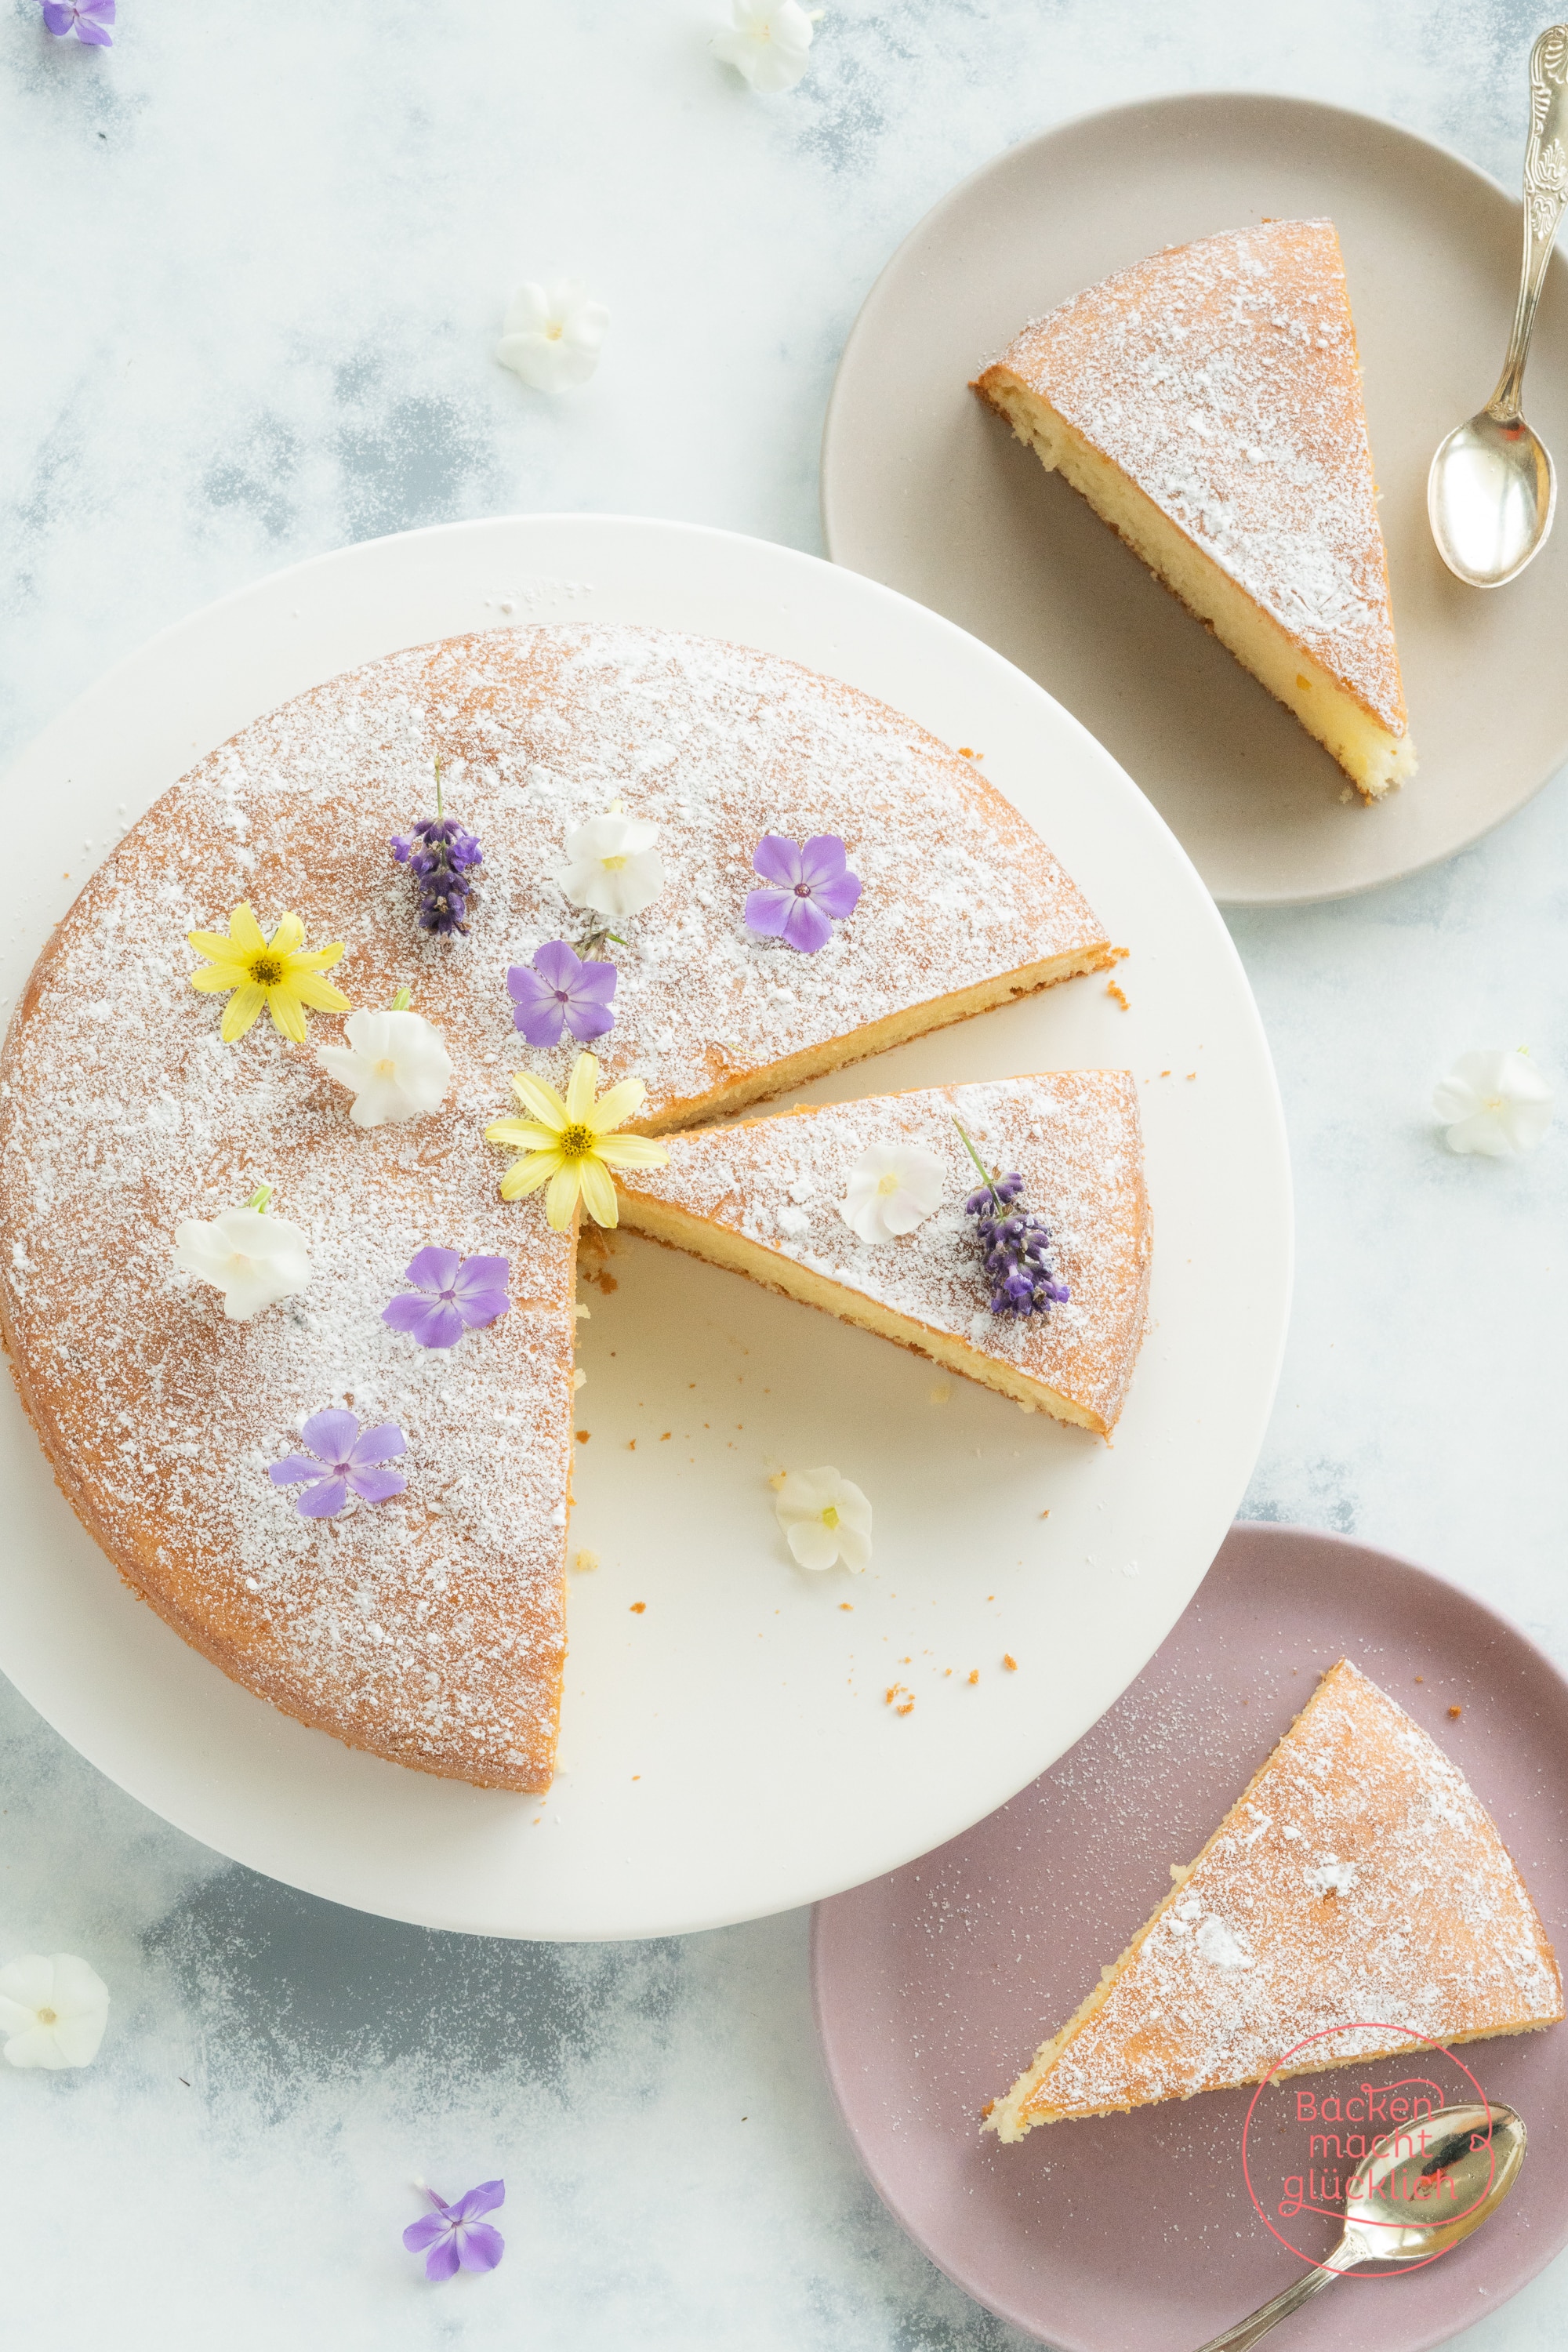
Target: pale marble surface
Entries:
(256, 256)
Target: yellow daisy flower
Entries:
(270, 971)
(571, 1146)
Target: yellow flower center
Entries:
(386, 1067)
(577, 1142)
(1493, 1102)
(47, 2017)
(266, 970)
(554, 330)
(612, 864)
(830, 1516)
(890, 1182)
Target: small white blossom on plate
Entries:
(254, 1259)
(893, 1188)
(612, 864)
(826, 1518)
(1493, 1103)
(396, 1064)
(767, 41)
(551, 336)
(52, 2012)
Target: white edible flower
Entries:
(612, 864)
(825, 1517)
(893, 1188)
(767, 40)
(398, 1067)
(254, 1259)
(52, 2012)
(1494, 1103)
(551, 336)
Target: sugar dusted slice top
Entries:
(763, 1198)
(1357, 1884)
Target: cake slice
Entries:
(1208, 404)
(1357, 1884)
(765, 1199)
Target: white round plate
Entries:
(926, 490)
(727, 1750)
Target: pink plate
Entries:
(1135, 2233)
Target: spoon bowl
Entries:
(1490, 496)
(1491, 490)
(1423, 2189)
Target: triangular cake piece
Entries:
(431, 1628)
(764, 1198)
(1358, 1883)
(1207, 403)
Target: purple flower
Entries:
(808, 886)
(444, 860)
(450, 1296)
(1016, 1241)
(343, 1462)
(88, 19)
(455, 2237)
(558, 992)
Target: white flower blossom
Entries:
(52, 2012)
(768, 42)
(612, 864)
(254, 1259)
(1494, 1103)
(551, 336)
(398, 1067)
(893, 1188)
(825, 1519)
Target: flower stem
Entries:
(980, 1163)
(403, 1000)
(438, 787)
(260, 1198)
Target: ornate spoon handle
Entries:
(1299, 2291)
(1545, 190)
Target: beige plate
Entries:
(923, 488)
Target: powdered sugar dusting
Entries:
(1378, 1891)
(1222, 377)
(1074, 1137)
(430, 1628)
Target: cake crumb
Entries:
(974, 1674)
(1113, 990)
(585, 1561)
(1045, 1515)
(907, 1708)
(637, 1608)
(989, 2108)
(1420, 1678)
(843, 1604)
(583, 1435)
(1454, 1713)
(631, 1445)
(940, 1393)
(666, 1436)
(1010, 1662)
(1181, 1872)
(777, 1480)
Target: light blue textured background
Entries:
(253, 264)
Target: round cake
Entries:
(423, 1617)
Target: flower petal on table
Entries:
(541, 1099)
(376, 1485)
(778, 860)
(325, 1501)
(378, 1445)
(245, 930)
(632, 1152)
(526, 1176)
(433, 1269)
(766, 910)
(426, 2229)
(580, 1090)
(840, 897)
(556, 964)
(482, 1275)
(522, 1135)
(482, 2199)
(441, 2262)
(598, 1193)
(616, 1105)
(561, 1197)
(480, 2248)
(288, 1012)
(317, 993)
(298, 1466)
(806, 927)
(331, 1433)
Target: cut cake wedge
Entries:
(763, 1198)
(1207, 403)
(1357, 1889)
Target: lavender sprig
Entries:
(444, 859)
(1016, 1243)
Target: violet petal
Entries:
(596, 983)
(59, 19)
(541, 1022)
(586, 1020)
(767, 912)
(838, 897)
(298, 1466)
(557, 964)
(440, 1326)
(376, 1485)
(480, 2248)
(481, 1274)
(323, 1501)
(378, 1445)
(408, 1310)
(330, 1434)
(482, 2199)
(806, 927)
(822, 861)
(777, 859)
(481, 1308)
(441, 2262)
(433, 1269)
(430, 2226)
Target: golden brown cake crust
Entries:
(430, 1629)
(1358, 1881)
(1221, 377)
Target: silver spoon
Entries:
(1379, 2210)
(1491, 490)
